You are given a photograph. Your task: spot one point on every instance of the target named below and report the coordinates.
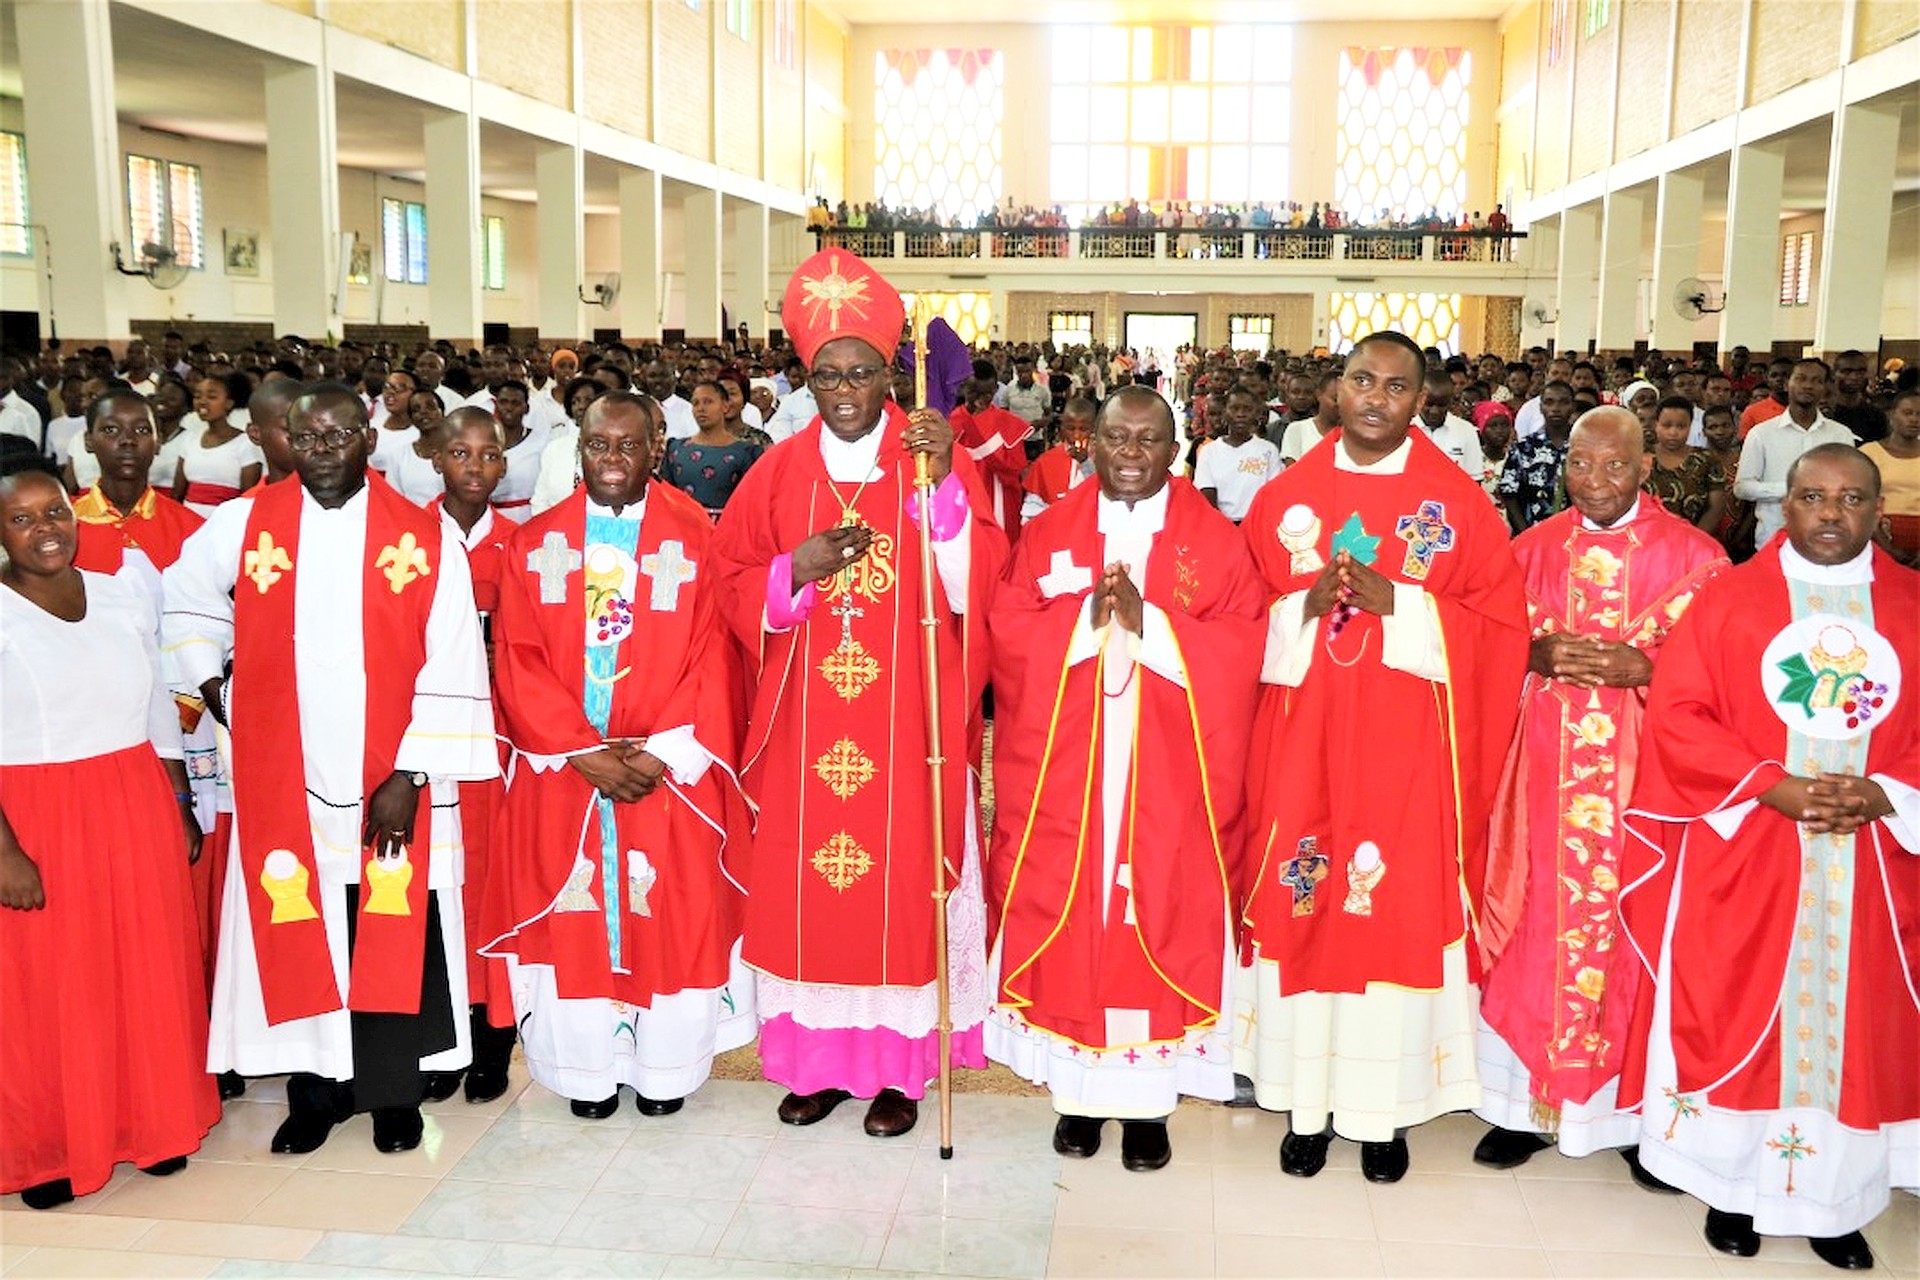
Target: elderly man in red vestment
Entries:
(1055, 473)
(1395, 649)
(606, 900)
(1773, 882)
(1606, 581)
(1126, 648)
(996, 441)
(820, 580)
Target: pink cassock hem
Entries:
(859, 1060)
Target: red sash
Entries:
(403, 548)
(208, 494)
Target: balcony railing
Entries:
(1136, 244)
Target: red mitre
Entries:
(834, 294)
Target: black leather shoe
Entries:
(1732, 1233)
(48, 1195)
(658, 1106)
(397, 1129)
(484, 1084)
(232, 1085)
(301, 1132)
(811, 1108)
(164, 1168)
(1144, 1145)
(1384, 1161)
(1304, 1154)
(1077, 1136)
(438, 1086)
(1508, 1148)
(1848, 1252)
(890, 1114)
(597, 1110)
(1644, 1179)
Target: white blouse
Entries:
(75, 690)
(413, 475)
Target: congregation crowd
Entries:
(1186, 215)
(1373, 735)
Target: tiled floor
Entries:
(521, 1188)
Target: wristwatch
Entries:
(417, 779)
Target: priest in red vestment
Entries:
(607, 903)
(996, 441)
(1606, 580)
(1773, 882)
(818, 562)
(1126, 651)
(1396, 644)
(1056, 472)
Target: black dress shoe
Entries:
(1644, 1179)
(1384, 1161)
(484, 1084)
(1144, 1145)
(658, 1106)
(301, 1132)
(596, 1110)
(396, 1129)
(1508, 1148)
(1077, 1136)
(811, 1108)
(164, 1168)
(48, 1195)
(438, 1086)
(232, 1085)
(1732, 1233)
(1304, 1154)
(890, 1114)
(1848, 1252)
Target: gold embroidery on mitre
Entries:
(403, 562)
(833, 291)
(285, 881)
(263, 565)
(845, 768)
(841, 861)
(849, 671)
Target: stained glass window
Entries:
(1170, 113)
(1401, 121)
(1430, 319)
(970, 314)
(1070, 329)
(938, 137)
(493, 252)
(786, 45)
(15, 236)
(1250, 333)
(164, 208)
(740, 18)
(403, 231)
(1796, 269)
(1597, 14)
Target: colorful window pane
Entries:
(403, 233)
(1070, 329)
(15, 236)
(1250, 333)
(493, 252)
(1430, 319)
(1401, 122)
(938, 139)
(786, 44)
(740, 18)
(970, 314)
(164, 208)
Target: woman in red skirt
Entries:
(103, 1008)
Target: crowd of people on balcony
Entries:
(1166, 215)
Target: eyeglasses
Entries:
(859, 377)
(308, 441)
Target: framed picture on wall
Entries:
(243, 251)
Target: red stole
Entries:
(842, 876)
(402, 557)
(157, 526)
(1161, 939)
(1051, 475)
(1363, 755)
(993, 438)
(1560, 983)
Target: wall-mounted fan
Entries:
(1537, 314)
(604, 293)
(157, 263)
(1692, 299)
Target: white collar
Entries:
(1147, 516)
(355, 507)
(1633, 513)
(1854, 573)
(1393, 464)
(632, 511)
(481, 527)
(850, 460)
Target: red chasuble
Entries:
(841, 879)
(157, 526)
(1362, 761)
(1051, 475)
(994, 438)
(1160, 942)
(1718, 737)
(673, 668)
(1560, 983)
(400, 561)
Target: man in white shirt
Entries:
(428, 368)
(1455, 435)
(1232, 469)
(1773, 446)
(657, 380)
(796, 409)
(1304, 433)
(17, 417)
(1026, 398)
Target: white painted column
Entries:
(1853, 259)
(1542, 250)
(453, 227)
(74, 170)
(1753, 246)
(701, 208)
(1621, 218)
(752, 259)
(303, 197)
(560, 187)
(1676, 255)
(1579, 262)
(640, 254)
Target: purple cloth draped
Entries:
(860, 1060)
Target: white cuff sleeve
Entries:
(1727, 821)
(1904, 821)
(1410, 635)
(1085, 642)
(1157, 650)
(1290, 638)
(685, 758)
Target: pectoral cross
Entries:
(846, 610)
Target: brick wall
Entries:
(737, 97)
(302, 7)
(1880, 23)
(1646, 62)
(616, 55)
(684, 62)
(1708, 64)
(527, 47)
(1593, 86)
(218, 335)
(1550, 143)
(434, 29)
(1793, 40)
(405, 338)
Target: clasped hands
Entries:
(1586, 662)
(623, 770)
(1116, 599)
(1829, 803)
(1345, 581)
